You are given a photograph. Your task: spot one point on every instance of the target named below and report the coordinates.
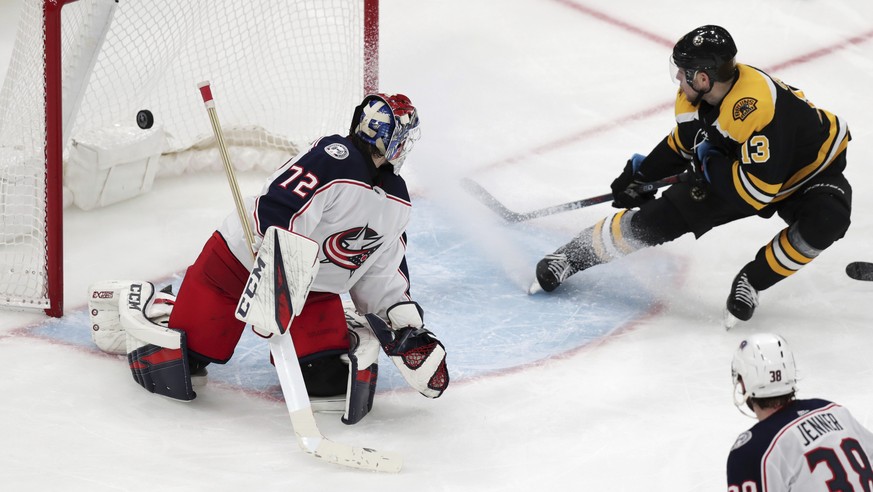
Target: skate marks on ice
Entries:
(474, 299)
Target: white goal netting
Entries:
(282, 72)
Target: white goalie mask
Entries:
(763, 367)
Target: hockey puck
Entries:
(860, 270)
(145, 119)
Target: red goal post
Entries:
(81, 70)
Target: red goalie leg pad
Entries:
(207, 302)
(320, 335)
(321, 326)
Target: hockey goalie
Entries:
(345, 203)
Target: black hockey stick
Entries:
(494, 204)
(860, 270)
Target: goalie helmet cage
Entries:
(287, 72)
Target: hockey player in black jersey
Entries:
(755, 146)
(799, 445)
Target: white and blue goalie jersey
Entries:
(356, 213)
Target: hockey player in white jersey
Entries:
(345, 194)
(797, 445)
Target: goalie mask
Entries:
(389, 123)
(763, 367)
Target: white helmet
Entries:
(763, 367)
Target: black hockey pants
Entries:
(817, 215)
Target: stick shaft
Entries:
(206, 93)
(297, 401)
(494, 204)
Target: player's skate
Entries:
(611, 238)
(741, 302)
(551, 271)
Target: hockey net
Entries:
(284, 73)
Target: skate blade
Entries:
(729, 320)
(534, 288)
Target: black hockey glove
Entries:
(629, 190)
(704, 152)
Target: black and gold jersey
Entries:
(773, 138)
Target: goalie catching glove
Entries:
(416, 352)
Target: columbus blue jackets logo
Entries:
(337, 151)
(742, 439)
(350, 249)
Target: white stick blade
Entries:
(362, 458)
(309, 437)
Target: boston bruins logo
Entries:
(744, 107)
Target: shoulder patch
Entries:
(744, 107)
(742, 439)
(337, 151)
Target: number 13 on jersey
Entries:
(756, 150)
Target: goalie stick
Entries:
(309, 437)
(494, 204)
(860, 270)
